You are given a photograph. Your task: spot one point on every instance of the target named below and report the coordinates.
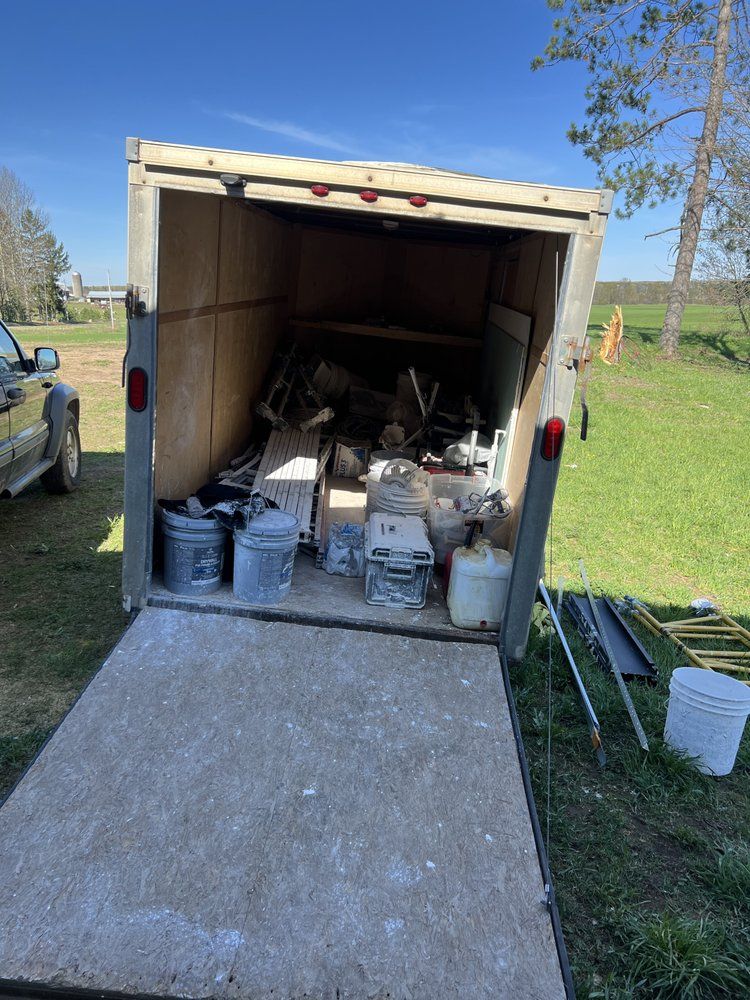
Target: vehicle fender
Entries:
(60, 399)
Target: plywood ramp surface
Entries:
(260, 810)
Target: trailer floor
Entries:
(317, 596)
(260, 810)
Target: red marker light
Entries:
(137, 389)
(554, 432)
(369, 196)
(320, 190)
(418, 200)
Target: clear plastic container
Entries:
(448, 526)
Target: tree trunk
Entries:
(696, 197)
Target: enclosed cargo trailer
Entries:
(321, 799)
(484, 282)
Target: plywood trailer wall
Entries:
(350, 277)
(526, 277)
(223, 305)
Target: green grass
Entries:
(650, 858)
(60, 571)
(655, 501)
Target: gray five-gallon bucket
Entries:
(264, 557)
(193, 553)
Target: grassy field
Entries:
(650, 859)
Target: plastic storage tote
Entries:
(479, 586)
(399, 561)
(447, 526)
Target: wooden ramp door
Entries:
(248, 809)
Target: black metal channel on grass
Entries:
(562, 951)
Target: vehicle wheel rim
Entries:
(71, 448)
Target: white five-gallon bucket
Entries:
(706, 717)
(264, 557)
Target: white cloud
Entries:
(293, 131)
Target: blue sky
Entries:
(446, 84)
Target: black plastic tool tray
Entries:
(632, 658)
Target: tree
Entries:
(32, 260)
(658, 123)
(724, 258)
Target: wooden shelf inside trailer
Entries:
(389, 333)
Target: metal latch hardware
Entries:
(134, 304)
(575, 354)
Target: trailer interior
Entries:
(473, 306)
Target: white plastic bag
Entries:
(345, 552)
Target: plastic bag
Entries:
(345, 552)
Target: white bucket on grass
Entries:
(706, 717)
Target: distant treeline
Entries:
(624, 292)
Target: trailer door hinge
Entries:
(577, 354)
(134, 304)
(574, 353)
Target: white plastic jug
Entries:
(478, 586)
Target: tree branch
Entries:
(661, 232)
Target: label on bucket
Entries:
(197, 566)
(276, 569)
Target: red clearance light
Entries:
(552, 441)
(320, 190)
(369, 196)
(418, 200)
(137, 389)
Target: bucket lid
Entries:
(272, 524)
(712, 685)
(206, 523)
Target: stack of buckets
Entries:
(264, 552)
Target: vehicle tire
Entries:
(65, 475)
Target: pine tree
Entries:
(658, 125)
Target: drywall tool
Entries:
(632, 657)
(613, 661)
(594, 727)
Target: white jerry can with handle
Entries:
(478, 586)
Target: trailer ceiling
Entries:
(374, 224)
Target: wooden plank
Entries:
(303, 171)
(437, 285)
(278, 811)
(184, 387)
(254, 254)
(188, 243)
(288, 471)
(389, 333)
(340, 274)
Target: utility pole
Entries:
(111, 309)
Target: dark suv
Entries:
(38, 421)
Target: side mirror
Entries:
(46, 359)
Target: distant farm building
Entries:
(101, 297)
